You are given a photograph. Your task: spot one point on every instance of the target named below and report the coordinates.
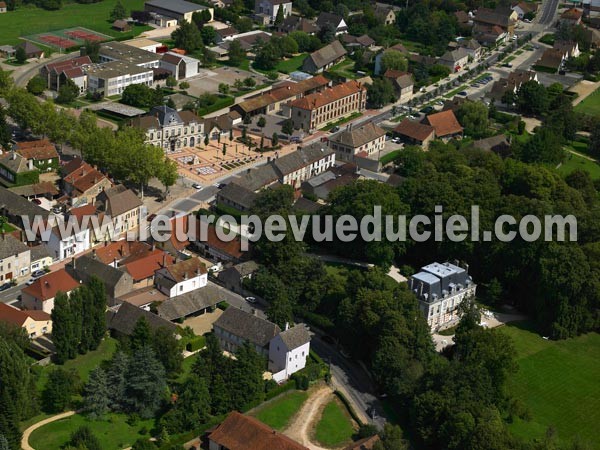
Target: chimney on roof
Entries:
(73, 262)
(164, 264)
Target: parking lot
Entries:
(209, 80)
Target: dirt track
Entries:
(25, 441)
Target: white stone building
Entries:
(440, 289)
(181, 277)
(288, 352)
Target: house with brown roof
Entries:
(16, 170)
(297, 23)
(123, 207)
(40, 295)
(324, 58)
(143, 268)
(181, 277)
(240, 432)
(415, 133)
(82, 182)
(552, 59)
(570, 49)
(472, 47)
(317, 110)
(121, 25)
(385, 13)
(281, 93)
(357, 41)
(463, 19)
(3, 7)
(332, 21)
(367, 138)
(217, 249)
(35, 323)
(367, 443)
(31, 50)
(571, 16)
(445, 124)
(504, 18)
(524, 8)
(41, 152)
(512, 82)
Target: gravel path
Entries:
(25, 441)
(305, 420)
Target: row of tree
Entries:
(79, 320)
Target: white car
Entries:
(30, 281)
(251, 299)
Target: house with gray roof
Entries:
(16, 170)
(122, 320)
(288, 352)
(233, 277)
(324, 58)
(333, 21)
(176, 9)
(15, 258)
(14, 208)
(455, 59)
(235, 327)
(116, 282)
(192, 303)
(235, 196)
(352, 141)
(440, 288)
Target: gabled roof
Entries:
(238, 194)
(15, 162)
(326, 18)
(454, 55)
(125, 319)
(239, 432)
(37, 150)
(247, 326)
(10, 314)
(120, 250)
(121, 200)
(61, 66)
(83, 177)
(87, 266)
(189, 303)
(551, 58)
(11, 246)
(296, 23)
(30, 47)
(183, 270)
(414, 130)
(359, 136)
(18, 206)
(327, 54)
(300, 158)
(295, 337)
(49, 285)
(329, 95)
(444, 123)
(494, 17)
(258, 177)
(172, 58)
(246, 268)
(572, 14)
(165, 115)
(145, 266)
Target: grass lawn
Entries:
(30, 20)
(7, 228)
(590, 105)
(223, 101)
(278, 412)
(558, 381)
(344, 69)
(113, 433)
(290, 64)
(84, 364)
(390, 156)
(451, 94)
(574, 162)
(335, 426)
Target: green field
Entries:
(335, 426)
(574, 162)
(558, 381)
(278, 412)
(590, 105)
(30, 20)
(291, 64)
(84, 364)
(113, 433)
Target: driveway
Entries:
(25, 440)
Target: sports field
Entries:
(67, 38)
(94, 16)
(558, 381)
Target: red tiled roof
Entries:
(121, 250)
(572, 14)
(49, 285)
(414, 130)
(318, 99)
(80, 212)
(179, 271)
(445, 123)
(12, 315)
(70, 63)
(231, 248)
(84, 177)
(145, 266)
(239, 432)
(42, 149)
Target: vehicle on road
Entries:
(30, 281)
(463, 93)
(427, 110)
(334, 129)
(5, 286)
(251, 300)
(37, 201)
(151, 217)
(38, 273)
(220, 185)
(197, 186)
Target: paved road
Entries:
(546, 17)
(25, 440)
(11, 294)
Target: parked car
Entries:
(30, 281)
(463, 93)
(151, 217)
(427, 110)
(5, 286)
(38, 273)
(197, 186)
(295, 139)
(334, 129)
(37, 201)
(251, 300)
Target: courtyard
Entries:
(208, 80)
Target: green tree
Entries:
(168, 350)
(67, 92)
(249, 82)
(36, 85)
(20, 54)
(224, 149)
(144, 444)
(96, 401)
(145, 383)
(275, 139)
(287, 127)
(141, 335)
(473, 116)
(118, 12)
(142, 96)
(65, 328)
(279, 17)
(247, 386)
(171, 81)
(224, 88)
(187, 36)
(380, 92)
(544, 146)
(61, 386)
(391, 439)
(532, 98)
(92, 49)
(116, 380)
(84, 438)
(236, 53)
(168, 174)
(280, 310)
(267, 57)
(5, 134)
(209, 35)
(395, 60)
(262, 122)
(192, 406)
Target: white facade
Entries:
(114, 84)
(14, 267)
(69, 246)
(270, 8)
(183, 287)
(296, 177)
(284, 362)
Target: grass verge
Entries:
(335, 427)
(278, 412)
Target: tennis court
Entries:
(67, 38)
